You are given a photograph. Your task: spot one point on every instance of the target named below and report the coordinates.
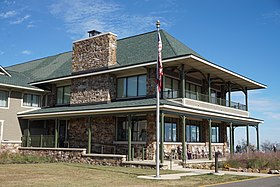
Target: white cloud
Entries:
(8, 14)
(20, 20)
(26, 52)
(82, 16)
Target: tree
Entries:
(267, 146)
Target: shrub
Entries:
(257, 160)
(17, 158)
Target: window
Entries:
(193, 132)
(171, 88)
(138, 128)
(31, 100)
(131, 86)
(4, 98)
(63, 95)
(170, 130)
(215, 134)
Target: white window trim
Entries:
(9, 96)
(1, 131)
(22, 97)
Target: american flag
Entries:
(159, 63)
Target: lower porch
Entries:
(182, 137)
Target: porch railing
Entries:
(203, 97)
(38, 141)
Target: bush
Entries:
(255, 160)
(17, 158)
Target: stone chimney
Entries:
(97, 51)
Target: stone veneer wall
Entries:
(74, 155)
(151, 136)
(103, 131)
(99, 88)
(77, 133)
(150, 82)
(95, 52)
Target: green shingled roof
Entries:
(132, 50)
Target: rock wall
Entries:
(94, 89)
(77, 134)
(151, 82)
(151, 139)
(74, 156)
(95, 52)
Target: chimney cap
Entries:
(93, 33)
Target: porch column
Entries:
(184, 138)
(28, 134)
(55, 133)
(231, 138)
(229, 94)
(162, 138)
(89, 134)
(182, 77)
(258, 137)
(129, 137)
(248, 142)
(209, 88)
(210, 138)
(246, 98)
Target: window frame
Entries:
(31, 101)
(197, 125)
(216, 135)
(173, 122)
(135, 123)
(8, 98)
(63, 95)
(171, 92)
(126, 86)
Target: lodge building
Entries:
(102, 96)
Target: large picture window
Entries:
(170, 130)
(4, 98)
(131, 86)
(215, 134)
(63, 95)
(138, 128)
(193, 131)
(31, 100)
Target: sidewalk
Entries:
(191, 172)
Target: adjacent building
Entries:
(102, 96)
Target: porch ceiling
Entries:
(215, 71)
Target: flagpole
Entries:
(157, 113)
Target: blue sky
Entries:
(243, 36)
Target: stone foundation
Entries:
(10, 146)
(74, 155)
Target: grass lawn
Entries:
(64, 174)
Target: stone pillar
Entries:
(151, 83)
